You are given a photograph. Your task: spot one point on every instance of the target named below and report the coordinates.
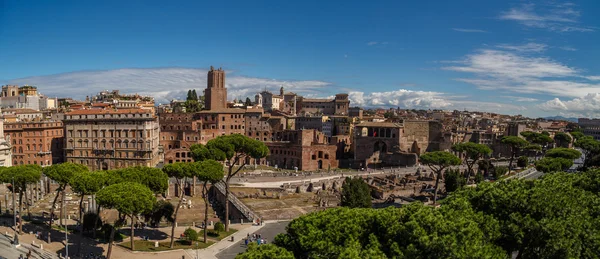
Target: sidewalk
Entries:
(211, 251)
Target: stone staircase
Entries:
(239, 205)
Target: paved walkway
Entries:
(301, 179)
(212, 251)
(268, 232)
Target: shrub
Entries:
(219, 227)
(522, 161)
(453, 180)
(212, 233)
(500, 171)
(190, 235)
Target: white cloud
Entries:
(520, 98)
(556, 17)
(505, 70)
(410, 99)
(498, 63)
(529, 47)
(567, 48)
(371, 43)
(593, 78)
(586, 106)
(164, 84)
(469, 30)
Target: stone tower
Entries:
(216, 93)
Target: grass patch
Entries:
(222, 235)
(148, 246)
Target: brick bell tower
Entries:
(216, 93)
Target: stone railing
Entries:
(239, 205)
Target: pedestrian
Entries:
(246, 241)
(259, 236)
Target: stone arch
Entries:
(380, 146)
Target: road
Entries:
(268, 232)
(277, 182)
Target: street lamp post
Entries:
(197, 249)
(16, 239)
(66, 228)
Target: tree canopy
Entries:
(555, 217)
(355, 193)
(438, 161)
(62, 173)
(590, 147)
(268, 251)
(236, 149)
(472, 153)
(552, 217)
(567, 153)
(551, 164)
(128, 198)
(413, 231)
(537, 138)
(516, 145)
(153, 178)
(562, 139)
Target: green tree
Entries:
(22, 175)
(129, 199)
(485, 166)
(412, 231)
(160, 210)
(438, 161)
(577, 135)
(567, 153)
(86, 183)
(551, 164)
(269, 251)
(235, 149)
(219, 227)
(453, 180)
(555, 217)
(194, 95)
(153, 178)
(181, 172)
(516, 144)
(562, 139)
(500, 171)
(355, 193)
(471, 152)
(537, 138)
(208, 172)
(190, 235)
(590, 147)
(248, 102)
(522, 161)
(61, 174)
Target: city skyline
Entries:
(531, 58)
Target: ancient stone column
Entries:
(89, 205)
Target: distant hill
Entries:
(561, 118)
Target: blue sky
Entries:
(534, 58)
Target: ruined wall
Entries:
(421, 136)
